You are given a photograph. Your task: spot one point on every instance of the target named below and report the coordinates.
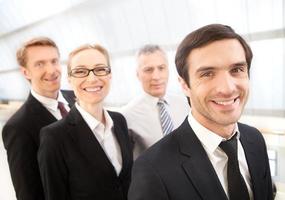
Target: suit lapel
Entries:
(252, 158)
(197, 165)
(39, 111)
(69, 97)
(122, 141)
(88, 144)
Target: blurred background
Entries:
(123, 26)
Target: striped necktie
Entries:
(165, 119)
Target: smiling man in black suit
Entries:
(210, 156)
(39, 62)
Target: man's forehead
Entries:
(152, 66)
(42, 51)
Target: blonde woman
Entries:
(87, 155)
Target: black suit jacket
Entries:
(21, 140)
(178, 168)
(74, 166)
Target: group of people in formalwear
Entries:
(65, 145)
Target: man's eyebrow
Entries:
(205, 68)
(40, 61)
(243, 63)
(209, 68)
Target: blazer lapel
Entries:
(197, 165)
(252, 158)
(69, 97)
(39, 111)
(122, 139)
(88, 144)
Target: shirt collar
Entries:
(49, 102)
(92, 121)
(209, 139)
(154, 100)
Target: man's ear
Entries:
(25, 72)
(184, 86)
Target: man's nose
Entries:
(225, 84)
(51, 68)
(156, 74)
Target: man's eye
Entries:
(39, 64)
(207, 74)
(55, 62)
(238, 69)
(148, 70)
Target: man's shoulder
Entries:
(163, 151)
(31, 114)
(247, 128)
(69, 96)
(134, 105)
(250, 133)
(176, 98)
(68, 93)
(22, 115)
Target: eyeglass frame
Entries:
(89, 70)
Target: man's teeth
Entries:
(93, 89)
(225, 102)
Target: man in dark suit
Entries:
(39, 62)
(210, 156)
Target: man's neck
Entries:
(224, 131)
(51, 95)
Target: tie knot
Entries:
(62, 109)
(60, 104)
(229, 146)
(161, 102)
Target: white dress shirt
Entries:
(105, 137)
(52, 104)
(217, 156)
(143, 119)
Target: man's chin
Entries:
(158, 94)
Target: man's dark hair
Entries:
(204, 36)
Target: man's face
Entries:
(153, 73)
(43, 70)
(90, 90)
(219, 84)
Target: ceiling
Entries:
(122, 26)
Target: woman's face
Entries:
(91, 89)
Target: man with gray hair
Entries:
(153, 114)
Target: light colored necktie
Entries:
(165, 119)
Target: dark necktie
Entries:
(165, 119)
(236, 185)
(62, 109)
